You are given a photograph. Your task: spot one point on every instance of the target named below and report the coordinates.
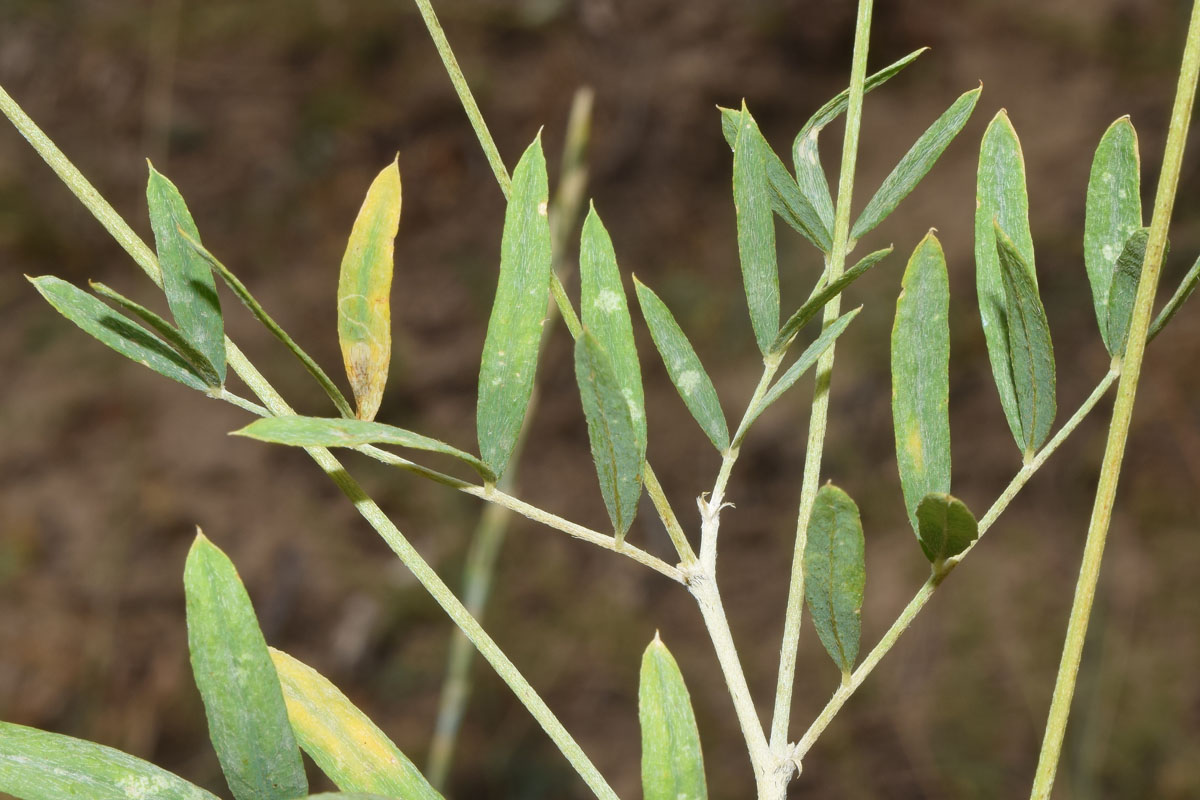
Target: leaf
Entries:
(198, 362)
(756, 232)
(38, 765)
(348, 796)
(835, 574)
(810, 176)
(605, 313)
(616, 449)
(347, 746)
(1030, 349)
(510, 351)
(118, 332)
(805, 362)
(364, 292)
(921, 376)
(945, 526)
(1000, 199)
(672, 761)
(247, 719)
(299, 431)
(1123, 285)
(187, 280)
(821, 295)
(916, 163)
(786, 199)
(1182, 293)
(684, 367)
(1113, 210)
(837, 105)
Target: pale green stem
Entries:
(408, 555)
(240, 402)
(820, 409)
(1118, 431)
(923, 596)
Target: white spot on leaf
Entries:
(608, 301)
(688, 381)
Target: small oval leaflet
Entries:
(364, 292)
(672, 761)
(835, 574)
(945, 527)
(1113, 211)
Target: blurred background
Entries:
(272, 117)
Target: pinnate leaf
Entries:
(247, 718)
(835, 574)
(510, 350)
(672, 762)
(945, 526)
(1113, 211)
(756, 231)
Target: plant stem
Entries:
(683, 548)
(1118, 432)
(820, 408)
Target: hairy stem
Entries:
(820, 409)
(1118, 431)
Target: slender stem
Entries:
(924, 594)
(241, 402)
(683, 548)
(820, 408)
(1118, 431)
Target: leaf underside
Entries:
(945, 526)
(835, 574)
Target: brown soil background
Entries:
(277, 116)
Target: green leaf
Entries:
(510, 351)
(195, 359)
(187, 280)
(684, 367)
(616, 449)
(756, 231)
(822, 294)
(247, 718)
(805, 362)
(786, 199)
(364, 292)
(299, 431)
(1029, 346)
(347, 746)
(810, 176)
(270, 324)
(916, 163)
(605, 313)
(945, 526)
(837, 106)
(1000, 198)
(37, 765)
(349, 796)
(672, 762)
(118, 332)
(1123, 284)
(835, 574)
(1182, 293)
(921, 376)
(1113, 210)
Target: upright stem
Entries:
(820, 408)
(1118, 432)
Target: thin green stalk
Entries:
(820, 408)
(1118, 432)
(144, 257)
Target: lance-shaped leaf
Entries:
(786, 198)
(916, 163)
(756, 232)
(510, 351)
(616, 448)
(364, 292)
(37, 765)
(810, 175)
(247, 718)
(1122, 290)
(1113, 211)
(605, 313)
(945, 526)
(118, 332)
(672, 762)
(300, 431)
(822, 294)
(835, 574)
(838, 104)
(684, 367)
(342, 740)
(187, 280)
(1182, 293)
(1031, 353)
(1000, 199)
(921, 376)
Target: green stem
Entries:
(820, 408)
(925, 593)
(1118, 432)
